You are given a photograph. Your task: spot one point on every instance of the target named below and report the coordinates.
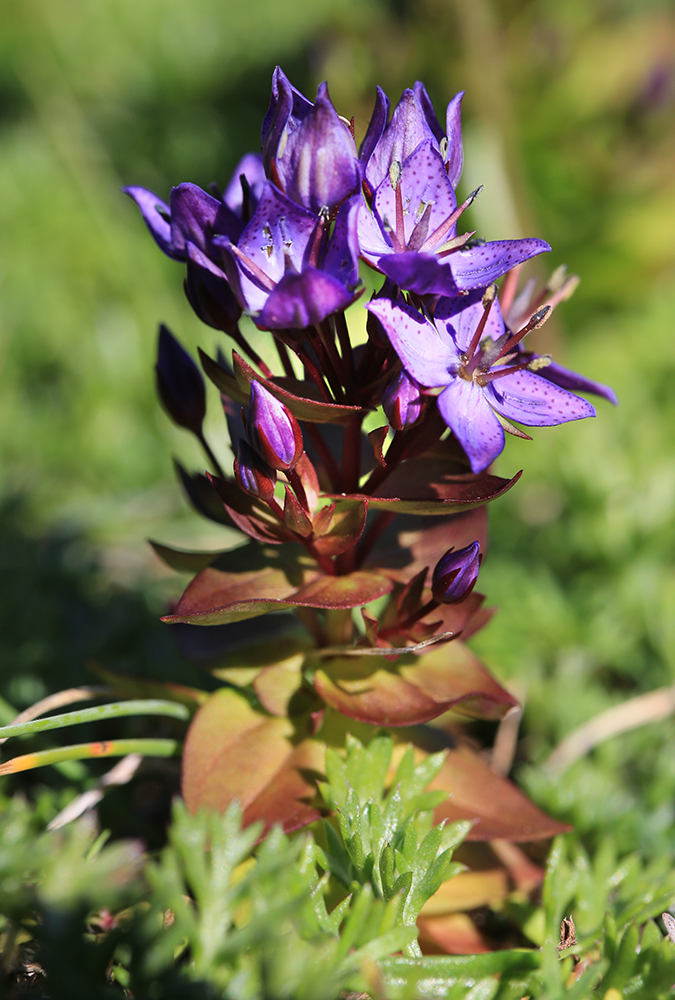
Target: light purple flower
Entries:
(467, 353)
(412, 123)
(409, 233)
(285, 271)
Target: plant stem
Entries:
(351, 455)
(241, 341)
(282, 351)
(325, 455)
(85, 751)
(209, 454)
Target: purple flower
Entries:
(412, 123)
(285, 271)
(272, 429)
(467, 352)
(455, 574)
(402, 402)
(309, 150)
(409, 233)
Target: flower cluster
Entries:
(347, 494)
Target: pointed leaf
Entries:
(346, 527)
(414, 689)
(215, 597)
(421, 487)
(275, 686)
(305, 406)
(233, 752)
(202, 495)
(499, 809)
(295, 518)
(182, 560)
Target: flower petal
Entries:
(301, 300)
(455, 155)
(467, 413)
(196, 217)
(406, 130)
(424, 273)
(342, 254)
(477, 267)
(567, 379)
(427, 107)
(156, 214)
(251, 167)
(423, 182)
(426, 353)
(319, 166)
(460, 317)
(376, 125)
(534, 401)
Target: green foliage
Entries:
(388, 841)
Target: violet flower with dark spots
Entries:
(412, 123)
(410, 231)
(455, 574)
(285, 270)
(467, 352)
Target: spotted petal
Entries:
(460, 317)
(567, 379)
(196, 217)
(534, 401)
(455, 154)
(466, 411)
(426, 353)
(156, 214)
(481, 265)
(301, 300)
(406, 130)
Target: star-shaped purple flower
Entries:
(410, 232)
(467, 352)
(284, 269)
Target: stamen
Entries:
(535, 321)
(400, 224)
(245, 198)
(486, 377)
(317, 239)
(445, 227)
(455, 244)
(488, 298)
(255, 270)
(421, 229)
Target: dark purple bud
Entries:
(272, 429)
(288, 107)
(209, 293)
(403, 402)
(253, 474)
(455, 574)
(180, 385)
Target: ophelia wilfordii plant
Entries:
(361, 471)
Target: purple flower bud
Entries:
(253, 474)
(273, 430)
(208, 292)
(402, 402)
(455, 574)
(180, 385)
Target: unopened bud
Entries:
(253, 474)
(402, 402)
(180, 385)
(208, 292)
(273, 430)
(455, 574)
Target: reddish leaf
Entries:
(294, 516)
(215, 597)
(429, 491)
(233, 752)
(345, 528)
(276, 685)
(309, 479)
(323, 519)
(305, 406)
(451, 934)
(500, 810)
(412, 690)
(221, 378)
(377, 439)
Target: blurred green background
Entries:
(569, 122)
